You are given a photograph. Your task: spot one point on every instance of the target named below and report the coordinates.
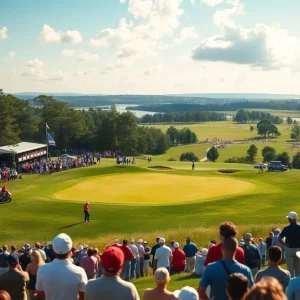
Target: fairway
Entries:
(153, 189)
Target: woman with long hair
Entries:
(32, 269)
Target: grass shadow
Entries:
(188, 276)
(72, 225)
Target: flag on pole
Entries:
(51, 141)
(47, 126)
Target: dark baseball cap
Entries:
(12, 259)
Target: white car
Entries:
(257, 166)
(67, 156)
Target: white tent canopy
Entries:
(21, 148)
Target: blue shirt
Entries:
(292, 235)
(293, 290)
(216, 276)
(190, 249)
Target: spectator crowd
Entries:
(231, 269)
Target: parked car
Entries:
(257, 166)
(66, 156)
(277, 166)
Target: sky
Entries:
(150, 46)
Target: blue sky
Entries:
(150, 46)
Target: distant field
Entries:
(280, 113)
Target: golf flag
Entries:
(51, 141)
(47, 126)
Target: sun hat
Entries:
(132, 240)
(80, 247)
(85, 246)
(204, 252)
(187, 293)
(145, 242)
(162, 240)
(50, 243)
(12, 259)
(112, 259)
(292, 215)
(176, 245)
(62, 244)
(247, 236)
(26, 247)
(140, 241)
(86, 203)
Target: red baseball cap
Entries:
(112, 259)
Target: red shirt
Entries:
(128, 255)
(86, 207)
(178, 263)
(215, 254)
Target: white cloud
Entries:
(86, 56)
(49, 35)
(193, 2)
(68, 52)
(142, 40)
(3, 33)
(151, 70)
(57, 76)
(212, 3)
(11, 54)
(185, 34)
(82, 73)
(35, 63)
(123, 1)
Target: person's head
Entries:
(132, 241)
(247, 238)
(161, 277)
(145, 243)
(125, 242)
(162, 241)
(140, 241)
(227, 229)
(38, 245)
(292, 217)
(188, 240)
(271, 234)
(237, 285)
(213, 242)
(260, 240)
(85, 247)
(268, 288)
(176, 245)
(4, 248)
(62, 246)
(90, 251)
(275, 255)
(13, 248)
(12, 260)
(157, 240)
(112, 260)
(4, 295)
(230, 245)
(36, 258)
(186, 293)
(172, 243)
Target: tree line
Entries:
(181, 136)
(246, 116)
(72, 129)
(183, 117)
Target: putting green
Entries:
(155, 189)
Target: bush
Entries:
(171, 159)
(212, 154)
(228, 171)
(189, 156)
(238, 160)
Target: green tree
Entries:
(266, 128)
(252, 152)
(172, 132)
(295, 132)
(289, 120)
(296, 161)
(251, 128)
(284, 158)
(189, 156)
(268, 153)
(213, 154)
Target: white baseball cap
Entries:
(292, 215)
(162, 240)
(176, 245)
(140, 241)
(85, 246)
(186, 293)
(62, 244)
(80, 247)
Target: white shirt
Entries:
(141, 249)
(262, 247)
(163, 254)
(134, 250)
(61, 280)
(43, 254)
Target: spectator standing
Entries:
(3, 262)
(154, 248)
(32, 269)
(14, 280)
(49, 252)
(110, 286)
(269, 241)
(140, 271)
(275, 257)
(226, 229)
(90, 264)
(163, 256)
(252, 255)
(135, 262)
(237, 286)
(262, 247)
(25, 258)
(146, 259)
(39, 247)
(82, 253)
(293, 290)
(216, 274)
(291, 233)
(86, 211)
(200, 259)
(179, 260)
(61, 279)
(190, 249)
(128, 256)
(276, 242)
(161, 279)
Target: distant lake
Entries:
(122, 108)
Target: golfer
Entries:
(86, 212)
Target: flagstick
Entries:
(47, 140)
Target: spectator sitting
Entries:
(179, 261)
(4, 295)
(161, 279)
(267, 289)
(274, 258)
(237, 286)
(186, 293)
(200, 259)
(14, 280)
(61, 279)
(90, 264)
(110, 286)
(216, 274)
(226, 229)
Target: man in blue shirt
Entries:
(190, 250)
(216, 274)
(291, 233)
